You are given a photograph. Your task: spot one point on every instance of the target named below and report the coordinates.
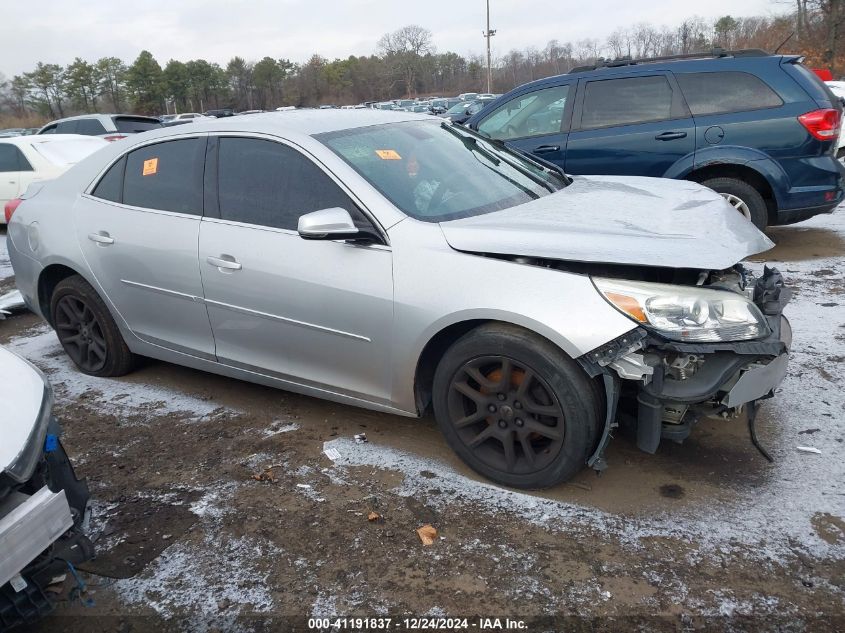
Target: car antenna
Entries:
(789, 37)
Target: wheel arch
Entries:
(48, 279)
(437, 344)
(768, 180)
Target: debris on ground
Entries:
(360, 438)
(374, 516)
(809, 449)
(427, 534)
(808, 431)
(266, 475)
(10, 302)
(332, 453)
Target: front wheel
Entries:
(515, 408)
(742, 197)
(87, 331)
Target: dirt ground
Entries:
(215, 507)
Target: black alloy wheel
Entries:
(506, 414)
(80, 333)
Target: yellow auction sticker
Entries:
(150, 166)
(388, 154)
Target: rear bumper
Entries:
(791, 216)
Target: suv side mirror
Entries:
(332, 224)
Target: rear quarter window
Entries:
(723, 92)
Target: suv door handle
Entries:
(102, 238)
(546, 149)
(224, 263)
(670, 136)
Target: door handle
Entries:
(223, 263)
(546, 149)
(670, 136)
(101, 238)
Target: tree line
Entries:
(405, 64)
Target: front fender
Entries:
(747, 157)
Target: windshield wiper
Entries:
(472, 144)
(545, 165)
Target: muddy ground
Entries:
(215, 507)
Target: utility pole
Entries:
(487, 35)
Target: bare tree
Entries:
(404, 50)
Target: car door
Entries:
(634, 126)
(536, 121)
(139, 230)
(12, 164)
(316, 313)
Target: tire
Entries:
(87, 330)
(548, 407)
(734, 191)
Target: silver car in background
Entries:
(397, 262)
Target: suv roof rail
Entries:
(627, 61)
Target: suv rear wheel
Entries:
(742, 197)
(515, 408)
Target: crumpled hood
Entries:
(617, 220)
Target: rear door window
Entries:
(626, 101)
(269, 184)
(721, 92)
(132, 124)
(166, 176)
(534, 114)
(66, 127)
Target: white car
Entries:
(28, 159)
(838, 89)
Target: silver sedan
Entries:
(398, 262)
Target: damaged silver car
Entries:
(42, 504)
(399, 263)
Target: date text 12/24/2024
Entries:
(415, 624)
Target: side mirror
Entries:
(331, 224)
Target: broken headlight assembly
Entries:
(692, 314)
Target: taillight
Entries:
(10, 207)
(822, 124)
(114, 137)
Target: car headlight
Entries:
(686, 313)
(23, 465)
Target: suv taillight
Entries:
(114, 137)
(822, 124)
(10, 207)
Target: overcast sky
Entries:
(57, 30)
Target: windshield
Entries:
(438, 172)
(64, 152)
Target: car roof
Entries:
(307, 122)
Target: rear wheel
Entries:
(742, 197)
(87, 331)
(515, 408)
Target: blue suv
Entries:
(760, 129)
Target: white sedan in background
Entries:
(28, 159)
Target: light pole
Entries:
(487, 35)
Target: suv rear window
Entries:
(612, 102)
(133, 124)
(721, 92)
